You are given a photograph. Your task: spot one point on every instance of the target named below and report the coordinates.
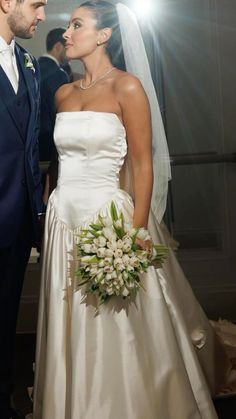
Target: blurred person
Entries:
(21, 205)
(67, 68)
(52, 77)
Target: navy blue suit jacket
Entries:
(20, 177)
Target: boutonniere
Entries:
(28, 62)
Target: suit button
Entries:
(18, 102)
(23, 182)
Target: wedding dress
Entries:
(153, 358)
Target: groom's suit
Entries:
(20, 200)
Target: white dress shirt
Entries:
(8, 62)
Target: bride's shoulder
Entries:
(63, 93)
(127, 83)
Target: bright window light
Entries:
(143, 8)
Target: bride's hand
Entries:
(146, 245)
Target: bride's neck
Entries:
(94, 69)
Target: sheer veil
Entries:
(137, 63)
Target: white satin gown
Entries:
(152, 359)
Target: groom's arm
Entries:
(38, 194)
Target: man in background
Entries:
(52, 77)
(21, 204)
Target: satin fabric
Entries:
(153, 358)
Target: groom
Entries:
(20, 191)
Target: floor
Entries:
(226, 408)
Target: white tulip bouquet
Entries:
(109, 260)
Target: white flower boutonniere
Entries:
(28, 62)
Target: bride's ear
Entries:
(104, 36)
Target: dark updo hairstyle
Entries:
(106, 16)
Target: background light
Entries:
(144, 8)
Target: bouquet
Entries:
(109, 260)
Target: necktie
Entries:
(9, 67)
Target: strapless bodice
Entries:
(91, 147)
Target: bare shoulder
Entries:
(127, 84)
(129, 91)
(62, 93)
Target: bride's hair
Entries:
(106, 17)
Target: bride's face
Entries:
(81, 35)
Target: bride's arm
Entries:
(137, 121)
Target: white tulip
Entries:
(142, 256)
(101, 252)
(108, 268)
(99, 276)
(118, 261)
(118, 253)
(134, 261)
(126, 247)
(119, 244)
(125, 275)
(127, 227)
(125, 259)
(109, 253)
(107, 221)
(120, 267)
(118, 223)
(107, 261)
(125, 292)
(86, 248)
(112, 245)
(109, 233)
(89, 235)
(121, 282)
(110, 291)
(132, 232)
(101, 264)
(93, 271)
(143, 234)
(102, 241)
(94, 248)
(127, 239)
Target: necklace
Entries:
(96, 80)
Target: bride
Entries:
(154, 358)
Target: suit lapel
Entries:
(31, 83)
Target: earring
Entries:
(98, 43)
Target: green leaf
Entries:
(118, 232)
(93, 259)
(113, 211)
(123, 223)
(94, 233)
(96, 227)
(80, 283)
